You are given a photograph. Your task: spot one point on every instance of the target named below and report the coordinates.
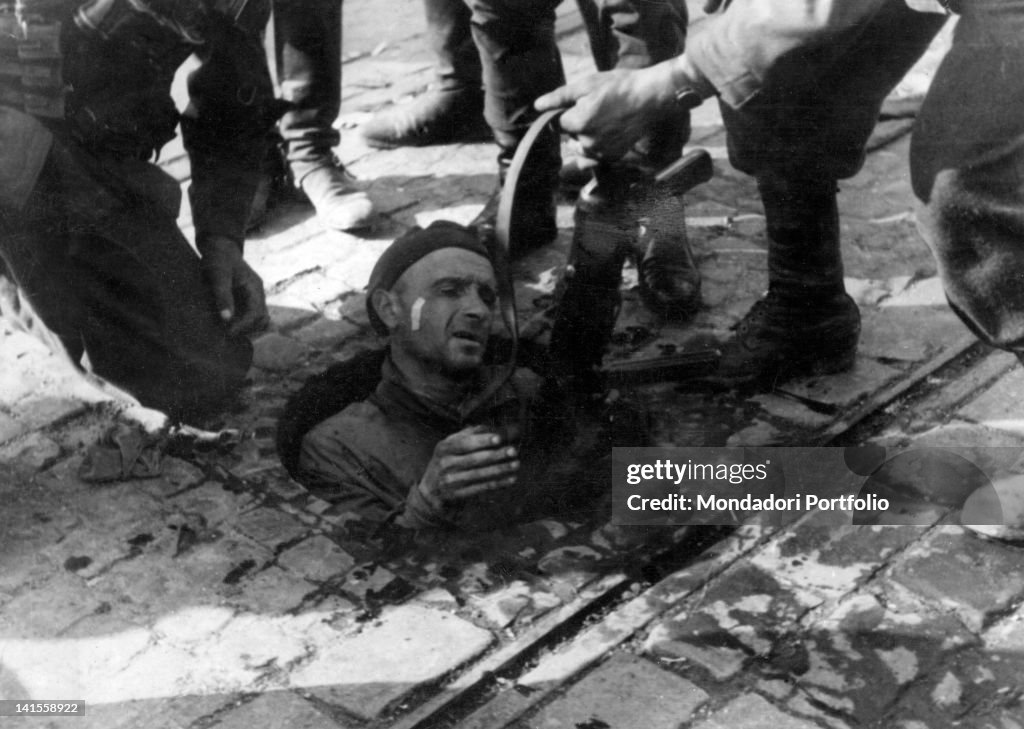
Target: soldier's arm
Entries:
(728, 54)
(732, 50)
(225, 127)
(231, 110)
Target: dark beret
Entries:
(411, 247)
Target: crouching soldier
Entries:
(448, 436)
(88, 226)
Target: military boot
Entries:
(653, 222)
(452, 109)
(438, 116)
(339, 200)
(588, 298)
(669, 278)
(806, 324)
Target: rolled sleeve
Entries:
(735, 49)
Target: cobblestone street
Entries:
(220, 594)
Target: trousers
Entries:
(520, 59)
(817, 108)
(97, 252)
(307, 45)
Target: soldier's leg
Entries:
(307, 36)
(452, 109)
(967, 165)
(805, 131)
(126, 289)
(520, 62)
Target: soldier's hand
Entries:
(237, 290)
(473, 461)
(611, 111)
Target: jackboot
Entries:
(669, 278)
(652, 223)
(452, 109)
(806, 324)
(587, 300)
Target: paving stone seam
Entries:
(991, 617)
(929, 678)
(213, 719)
(506, 658)
(590, 645)
(560, 691)
(338, 714)
(998, 616)
(991, 367)
(904, 689)
(915, 375)
(320, 524)
(865, 581)
(534, 702)
(818, 704)
(279, 287)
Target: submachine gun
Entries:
(587, 300)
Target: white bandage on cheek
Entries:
(415, 312)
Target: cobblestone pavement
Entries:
(220, 594)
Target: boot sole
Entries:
(768, 381)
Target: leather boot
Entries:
(806, 324)
(340, 203)
(652, 223)
(588, 298)
(669, 278)
(452, 109)
(438, 116)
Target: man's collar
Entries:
(451, 409)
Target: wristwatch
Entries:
(688, 98)
(691, 88)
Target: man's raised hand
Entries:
(473, 461)
(612, 110)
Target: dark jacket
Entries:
(102, 86)
(368, 458)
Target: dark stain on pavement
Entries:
(238, 572)
(74, 564)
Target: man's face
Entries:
(445, 309)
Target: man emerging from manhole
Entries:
(446, 428)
